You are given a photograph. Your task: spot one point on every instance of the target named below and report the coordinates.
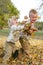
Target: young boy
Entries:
(11, 40)
(33, 17)
(28, 30)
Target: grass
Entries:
(39, 33)
(4, 32)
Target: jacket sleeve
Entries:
(14, 28)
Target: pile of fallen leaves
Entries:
(35, 54)
(35, 57)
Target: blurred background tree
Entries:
(39, 25)
(7, 9)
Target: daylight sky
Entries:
(24, 6)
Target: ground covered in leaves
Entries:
(35, 53)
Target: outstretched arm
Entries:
(15, 28)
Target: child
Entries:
(33, 17)
(11, 40)
(28, 30)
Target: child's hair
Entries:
(13, 17)
(33, 11)
(10, 21)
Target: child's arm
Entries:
(17, 28)
(34, 29)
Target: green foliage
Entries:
(7, 7)
(39, 25)
(7, 10)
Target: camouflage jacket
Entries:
(27, 27)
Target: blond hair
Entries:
(33, 11)
(10, 21)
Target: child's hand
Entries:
(30, 32)
(26, 27)
(34, 29)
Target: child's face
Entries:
(15, 21)
(33, 17)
